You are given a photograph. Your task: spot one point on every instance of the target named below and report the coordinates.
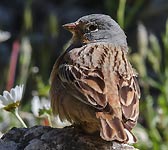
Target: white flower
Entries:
(39, 104)
(11, 100)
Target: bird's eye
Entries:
(93, 27)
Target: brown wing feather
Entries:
(87, 82)
(129, 95)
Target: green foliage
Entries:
(53, 25)
(154, 108)
(43, 90)
(28, 20)
(132, 12)
(126, 14)
(120, 13)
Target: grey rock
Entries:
(10, 145)
(48, 138)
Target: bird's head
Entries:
(96, 28)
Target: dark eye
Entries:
(93, 27)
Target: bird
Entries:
(93, 84)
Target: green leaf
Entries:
(121, 12)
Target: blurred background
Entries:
(32, 37)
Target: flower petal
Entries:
(13, 93)
(20, 91)
(35, 105)
(17, 89)
(2, 100)
(45, 103)
(19, 94)
(5, 101)
(16, 93)
(1, 106)
(8, 97)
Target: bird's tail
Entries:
(112, 129)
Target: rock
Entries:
(48, 138)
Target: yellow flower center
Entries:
(12, 106)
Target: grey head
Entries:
(96, 28)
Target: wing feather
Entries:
(87, 82)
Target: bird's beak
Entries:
(71, 26)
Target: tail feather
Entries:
(112, 129)
(130, 137)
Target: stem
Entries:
(15, 112)
(49, 120)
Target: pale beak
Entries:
(71, 26)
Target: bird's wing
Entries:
(82, 79)
(124, 103)
(129, 91)
(86, 85)
(129, 98)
